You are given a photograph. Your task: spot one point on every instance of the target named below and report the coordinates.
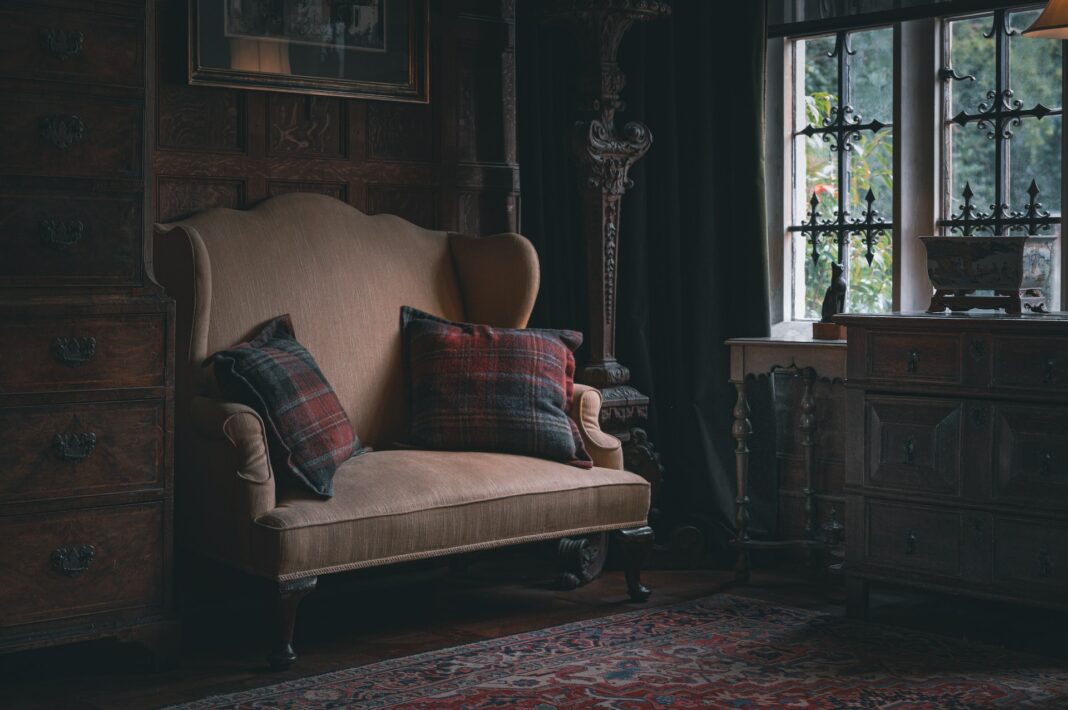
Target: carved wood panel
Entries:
(282, 187)
(416, 204)
(181, 197)
(305, 126)
(447, 165)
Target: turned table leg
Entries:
(740, 430)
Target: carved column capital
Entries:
(607, 155)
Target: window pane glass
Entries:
(871, 287)
(1034, 65)
(821, 78)
(819, 168)
(871, 86)
(972, 161)
(971, 54)
(871, 165)
(816, 276)
(1035, 154)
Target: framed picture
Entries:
(373, 49)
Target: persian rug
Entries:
(718, 652)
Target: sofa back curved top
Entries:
(342, 276)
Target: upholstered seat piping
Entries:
(427, 554)
(263, 523)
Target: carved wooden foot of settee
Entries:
(636, 544)
(287, 598)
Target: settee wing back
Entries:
(342, 276)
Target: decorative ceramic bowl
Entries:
(989, 263)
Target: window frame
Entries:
(919, 115)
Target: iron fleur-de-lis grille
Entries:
(843, 127)
(997, 117)
(999, 219)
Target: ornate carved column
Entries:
(606, 154)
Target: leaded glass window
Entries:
(1002, 130)
(843, 168)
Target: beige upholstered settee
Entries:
(343, 277)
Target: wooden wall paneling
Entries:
(178, 197)
(450, 164)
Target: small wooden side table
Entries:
(796, 352)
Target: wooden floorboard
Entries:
(348, 623)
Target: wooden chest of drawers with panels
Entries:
(957, 455)
(85, 336)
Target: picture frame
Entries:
(369, 49)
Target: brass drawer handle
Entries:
(913, 363)
(910, 452)
(62, 130)
(911, 538)
(62, 235)
(1045, 564)
(63, 44)
(72, 560)
(74, 447)
(74, 352)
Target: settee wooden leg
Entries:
(636, 543)
(287, 599)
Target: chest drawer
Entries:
(1032, 555)
(914, 444)
(69, 45)
(59, 565)
(71, 136)
(69, 238)
(919, 539)
(66, 451)
(1031, 454)
(50, 355)
(1031, 363)
(914, 357)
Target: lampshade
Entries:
(1052, 23)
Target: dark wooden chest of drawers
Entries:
(86, 370)
(957, 456)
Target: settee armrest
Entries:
(605, 449)
(236, 431)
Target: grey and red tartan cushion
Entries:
(308, 433)
(477, 388)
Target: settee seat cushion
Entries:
(393, 506)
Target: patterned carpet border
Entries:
(721, 651)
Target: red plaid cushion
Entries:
(477, 388)
(309, 434)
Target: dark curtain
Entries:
(693, 252)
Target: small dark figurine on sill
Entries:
(833, 304)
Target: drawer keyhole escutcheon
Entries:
(1046, 469)
(978, 349)
(1045, 564)
(72, 560)
(910, 542)
(978, 417)
(910, 452)
(74, 447)
(62, 235)
(913, 363)
(63, 44)
(62, 131)
(1049, 373)
(74, 352)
